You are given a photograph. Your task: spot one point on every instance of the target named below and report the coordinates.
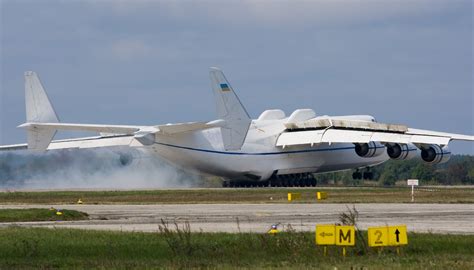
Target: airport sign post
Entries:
(388, 236)
(412, 183)
(335, 235)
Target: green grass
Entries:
(67, 248)
(254, 195)
(37, 214)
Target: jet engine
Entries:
(435, 154)
(369, 150)
(401, 151)
(125, 159)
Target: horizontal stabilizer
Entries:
(81, 143)
(110, 129)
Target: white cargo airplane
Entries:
(274, 149)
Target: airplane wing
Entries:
(347, 131)
(170, 129)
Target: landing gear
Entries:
(293, 180)
(367, 175)
(356, 175)
(287, 180)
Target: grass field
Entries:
(68, 248)
(36, 214)
(255, 195)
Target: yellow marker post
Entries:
(325, 234)
(321, 195)
(345, 235)
(388, 236)
(397, 235)
(378, 236)
(294, 196)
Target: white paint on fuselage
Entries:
(203, 151)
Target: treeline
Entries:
(459, 170)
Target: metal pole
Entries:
(412, 193)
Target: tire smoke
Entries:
(90, 168)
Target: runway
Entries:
(436, 218)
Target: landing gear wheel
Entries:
(356, 175)
(368, 175)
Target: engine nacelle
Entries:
(435, 154)
(369, 150)
(401, 151)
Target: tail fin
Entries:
(38, 110)
(230, 109)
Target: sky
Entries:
(146, 62)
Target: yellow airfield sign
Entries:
(397, 235)
(387, 236)
(345, 235)
(378, 236)
(335, 235)
(325, 234)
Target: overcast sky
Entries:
(146, 62)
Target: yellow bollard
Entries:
(293, 196)
(321, 195)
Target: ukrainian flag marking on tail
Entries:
(225, 87)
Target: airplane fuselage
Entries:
(259, 159)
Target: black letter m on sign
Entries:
(344, 238)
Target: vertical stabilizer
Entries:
(230, 109)
(38, 106)
(38, 110)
